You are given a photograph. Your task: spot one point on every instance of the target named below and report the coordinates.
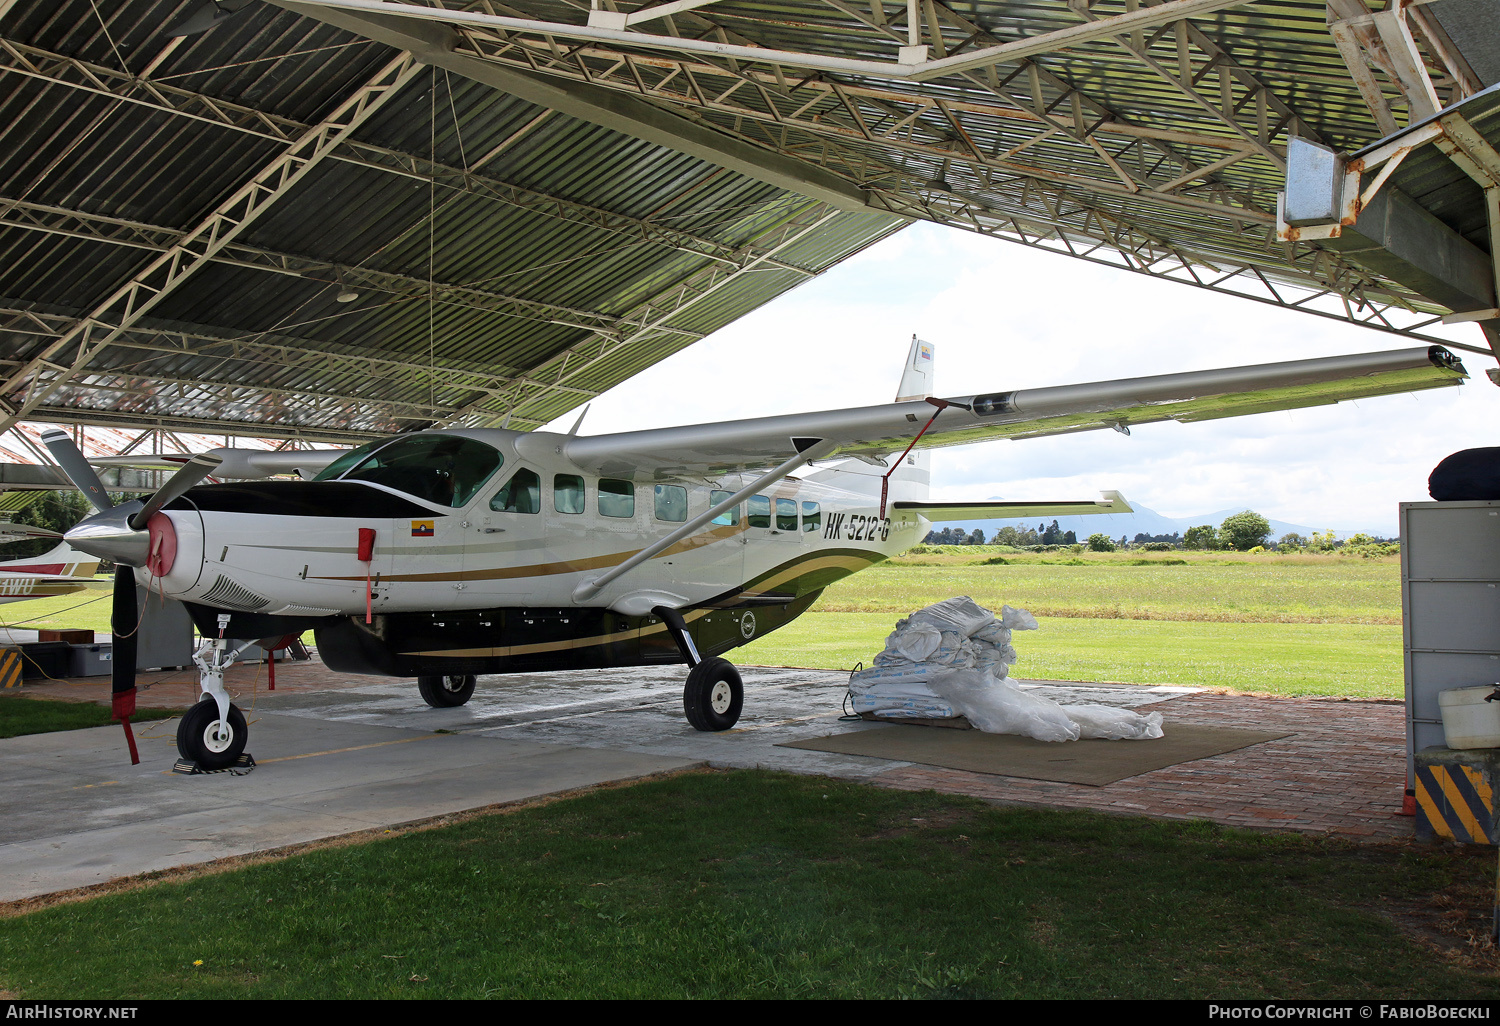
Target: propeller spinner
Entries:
(119, 532)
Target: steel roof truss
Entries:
(198, 247)
(70, 72)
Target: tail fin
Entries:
(916, 377)
(910, 481)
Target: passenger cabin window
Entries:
(567, 493)
(731, 516)
(758, 511)
(812, 517)
(616, 498)
(442, 469)
(786, 514)
(521, 494)
(671, 503)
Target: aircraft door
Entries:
(505, 535)
(725, 555)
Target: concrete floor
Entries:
(341, 753)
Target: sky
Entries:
(1003, 316)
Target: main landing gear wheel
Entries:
(446, 692)
(206, 740)
(714, 695)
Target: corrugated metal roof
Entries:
(508, 261)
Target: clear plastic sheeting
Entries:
(953, 658)
(999, 707)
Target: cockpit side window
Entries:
(338, 467)
(443, 469)
(521, 494)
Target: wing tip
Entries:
(1445, 360)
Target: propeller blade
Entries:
(123, 624)
(193, 471)
(77, 468)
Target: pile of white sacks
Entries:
(953, 658)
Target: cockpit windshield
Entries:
(443, 469)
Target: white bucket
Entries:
(1468, 720)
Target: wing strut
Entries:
(885, 479)
(808, 449)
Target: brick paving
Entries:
(177, 689)
(1341, 770)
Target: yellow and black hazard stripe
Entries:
(10, 667)
(1455, 802)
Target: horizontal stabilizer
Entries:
(1112, 502)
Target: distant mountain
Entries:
(1142, 521)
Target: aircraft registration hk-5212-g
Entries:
(444, 554)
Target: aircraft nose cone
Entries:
(109, 535)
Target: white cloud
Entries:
(1004, 316)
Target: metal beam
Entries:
(533, 405)
(47, 219)
(1398, 239)
(920, 71)
(73, 73)
(309, 357)
(138, 296)
(610, 109)
(330, 434)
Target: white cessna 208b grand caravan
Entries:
(445, 554)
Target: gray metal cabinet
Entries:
(1450, 602)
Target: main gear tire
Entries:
(445, 692)
(714, 695)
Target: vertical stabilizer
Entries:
(916, 378)
(910, 481)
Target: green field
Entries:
(1310, 625)
(758, 885)
(81, 610)
(1300, 625)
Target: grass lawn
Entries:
(1353, 660)
(749, 884)
(20, 715)
(1311, 625)
(1222, 587)
(80, 610)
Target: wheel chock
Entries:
(244, 764)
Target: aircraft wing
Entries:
(10, 532)
(875, 432)
(1113, 502)
(235, 464)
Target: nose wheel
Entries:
(212, 742)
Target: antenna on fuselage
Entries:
(579, 422)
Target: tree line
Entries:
(1241, 532)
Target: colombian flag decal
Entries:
(421, 528)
